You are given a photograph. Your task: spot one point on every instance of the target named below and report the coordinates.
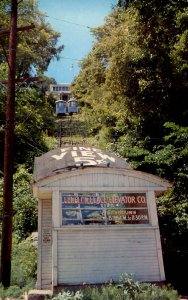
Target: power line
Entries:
(66, 21)
(70, 58)
(33, 144)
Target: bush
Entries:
(23, 270)
(13, 291)
(135, 290)
(24, 263)
(24, 206)
(103, 293)
(69, 296)
(127, 289)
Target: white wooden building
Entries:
(97, 218)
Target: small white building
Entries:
(61, 91)
(97, 218)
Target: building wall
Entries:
(100, 254)
(97, 253)
(102, 179)
(61, 91)
(44, 274)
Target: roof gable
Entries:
(101, 179)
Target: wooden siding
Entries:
(46, 249)
(104, 178)
(96, 256)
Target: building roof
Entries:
(65, 159)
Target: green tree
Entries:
(36, 47)
(140, 59)
(34, 110)
(34, 120)
(141, 55)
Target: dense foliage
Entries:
(34, 124)
(34, 115)
(137, 69)
(24, 264)
(24, 206)
(34, 110)
(127, 289)
(133, 91)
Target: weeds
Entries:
(127, 289)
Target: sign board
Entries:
(74, 157)
(104, 208)
(46, 236)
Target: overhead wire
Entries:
(58, 19)
(65, 21)
(70, 22)
(30, 141)
(70, 58)
(33, 144)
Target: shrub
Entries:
(67, 295)
(127, 289)
(135, 290)
(13, 291)
(24, 263)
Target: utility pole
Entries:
(6, 247)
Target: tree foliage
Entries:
(134, 84)
(141, 67)
(34, 110)
(36, 47)
(34, 120)
(24, 204)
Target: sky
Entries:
(71, 18)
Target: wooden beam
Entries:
(28, 79)
(22, 28)
(7, 215)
